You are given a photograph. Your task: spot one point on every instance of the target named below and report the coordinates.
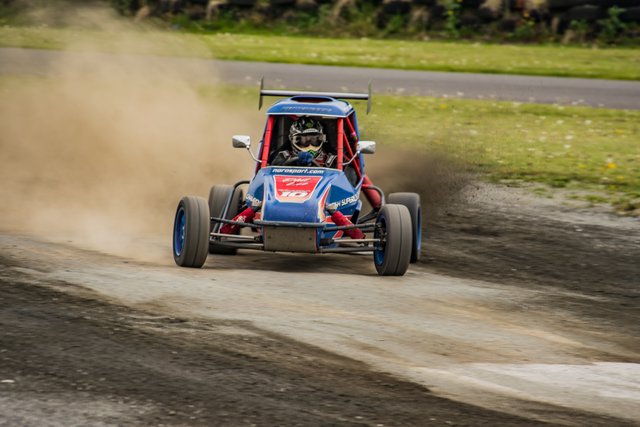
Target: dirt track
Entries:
(79, 361)
(550, 335)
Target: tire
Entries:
(631, 15)
(282, 3)
(587, 13)
(469, 18)
(392, 257)
(487, 14)
(624, 4)
(471, 4)
(396, 7)
(568, 4)
(218, 196)
(425, 2)
(412, 202)
(191, 232)
(241, 3)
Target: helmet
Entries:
(307, 135)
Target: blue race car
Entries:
(308, 207)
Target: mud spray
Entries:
(100, 152)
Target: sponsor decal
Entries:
(321, 205)
(252, 200)
(307, 109)
(295, 188)
(300, 171)
(348, 200)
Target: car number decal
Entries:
(295, 189)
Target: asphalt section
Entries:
(546, 90)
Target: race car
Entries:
(309, 208)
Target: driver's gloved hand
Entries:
(304, 158)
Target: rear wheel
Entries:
(218, 197)
(393, 226)
(412, 202)
(191, 232)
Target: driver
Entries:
(307, 138)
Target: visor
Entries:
(314, 140)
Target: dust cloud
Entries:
(101, 152)
(437, 177)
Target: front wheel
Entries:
(392, 254)
(191, 232)
(218, 196)
(412, 202)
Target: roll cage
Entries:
(343, 136)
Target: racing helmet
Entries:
(307, 134)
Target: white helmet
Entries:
(307, 135)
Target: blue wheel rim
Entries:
(378, 253)
(178, 231)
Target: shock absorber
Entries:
(340, 220)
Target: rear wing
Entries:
(338, 95)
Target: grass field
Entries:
(552, 60)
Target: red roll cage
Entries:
(345, 150)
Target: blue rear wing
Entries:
(336, 95)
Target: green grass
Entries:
(551, 60)
(144, 41)
(434, 56)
